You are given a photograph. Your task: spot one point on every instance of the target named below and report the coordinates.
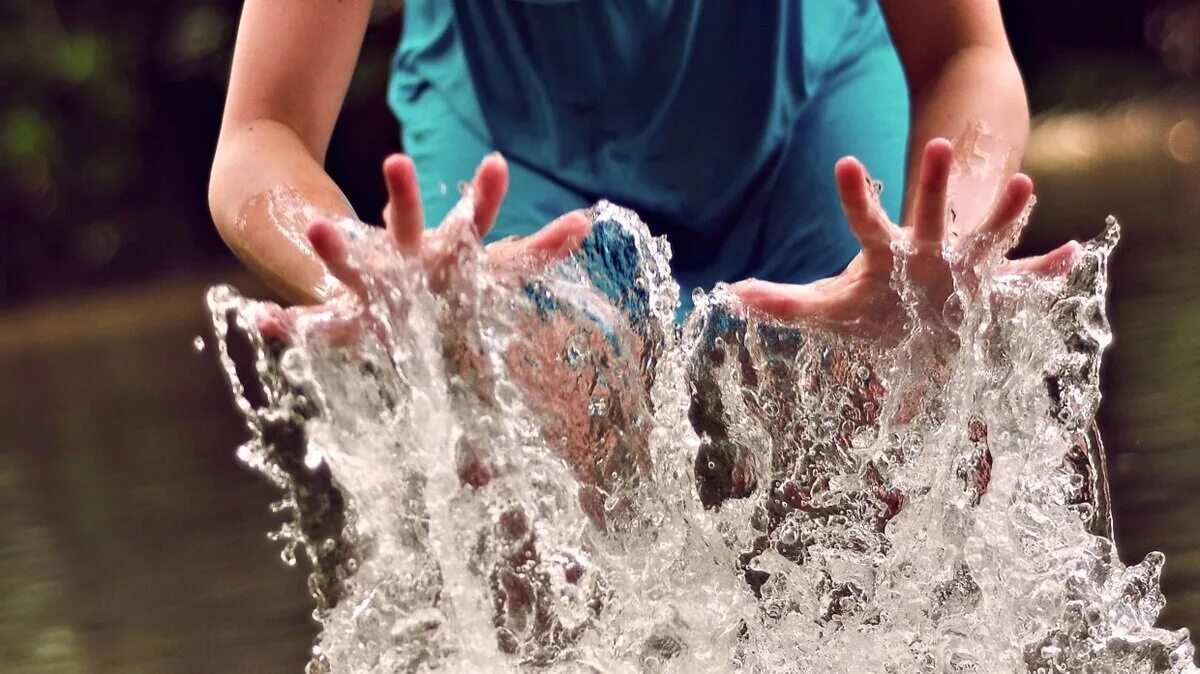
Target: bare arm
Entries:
(960, 69)
(291, 68)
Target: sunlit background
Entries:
(132, 541)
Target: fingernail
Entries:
(489, 156)
(494, 156)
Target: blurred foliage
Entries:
(1086, 53)
(111, 111)
(107, 128)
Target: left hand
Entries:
(862, 292)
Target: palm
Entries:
(862, 293)
(437, 249)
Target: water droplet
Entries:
(547, 428)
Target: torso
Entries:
(680, 109)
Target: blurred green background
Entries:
(132, 541)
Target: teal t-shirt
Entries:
(718, 121)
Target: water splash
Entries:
(519, 468)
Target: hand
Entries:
(437, 249)
(862, 293)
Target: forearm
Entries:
(291, 68)
(265, 189)
(977, 85)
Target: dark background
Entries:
(130, 539)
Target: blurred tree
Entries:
(107, 128)
(1084, 53)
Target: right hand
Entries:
(438, 249)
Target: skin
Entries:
(284, 98)
(292, 66)
(863, 290)
(404, 221)
(966, 76)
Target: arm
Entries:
(960, 70)
(291, 68)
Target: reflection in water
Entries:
(130, 539)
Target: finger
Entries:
(1055, 263)
(274, 322)
(867, 220)
(782, 300)
(1000, 231)
(556, 241)
(1011, 206)
(490, 185)
(563, 236)
(331, 246)
(340, 330)
(403, 214)
(930, 201)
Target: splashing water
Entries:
(534, 468)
